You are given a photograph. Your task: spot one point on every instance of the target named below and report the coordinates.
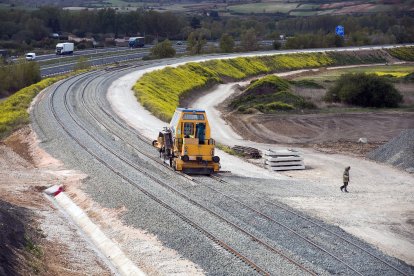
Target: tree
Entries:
(227, 43)
(276, 44)
(249, 40)
(196, 41)
(195, 23)
(163, 49)
(364, 90)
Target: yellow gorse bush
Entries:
(13, 110)
(160, 91)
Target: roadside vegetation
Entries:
(403, 53)
(160, 91)
(163, 50)
(365, 90)
(16, 76)
(13, 110)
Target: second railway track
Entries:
(87, 109)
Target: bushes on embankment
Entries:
(403, 53)
(18, 75)
(160, 91)
(269, 94)
(13, 110)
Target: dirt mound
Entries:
(398, 151)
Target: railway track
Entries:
(153, 176)
(307, 220)
(258, 212)
(167, 206)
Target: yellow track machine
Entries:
(187, 143)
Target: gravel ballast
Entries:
(398, 152)
(111, 191)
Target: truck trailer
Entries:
(65, 48)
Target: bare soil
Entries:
(35, 238)
(333, 129)
(326, 132)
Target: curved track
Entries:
(218, 209)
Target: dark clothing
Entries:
(346, 179)
(344, 186)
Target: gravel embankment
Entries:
(108, 189)
(87, 95)
(398, 152)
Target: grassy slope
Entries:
(160, 91)
(269, 94)
(13, 110)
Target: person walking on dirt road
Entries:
(346, 179)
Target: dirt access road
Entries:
(379, 207)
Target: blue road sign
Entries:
(339, 30)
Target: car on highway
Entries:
(30, 56)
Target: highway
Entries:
(64, 64)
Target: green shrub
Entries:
(403, 53)
(163, 49)
(278, 106)
(364, 90)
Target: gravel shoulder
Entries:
(379, 207)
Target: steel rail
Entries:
(322, 227)
(127, 127)
(165, 185)
(198, 227)
(144, 139)
(271, 203)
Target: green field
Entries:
(303, 13)
(397, 71)
(269, 7)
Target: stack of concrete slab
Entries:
(284, 160)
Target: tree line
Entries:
(24, 29)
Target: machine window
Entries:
(190, 116)
(174, 121)
(188, 129)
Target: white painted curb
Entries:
(109, 249)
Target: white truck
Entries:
(65, 48)
(30, 56)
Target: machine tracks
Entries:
(91, 103)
